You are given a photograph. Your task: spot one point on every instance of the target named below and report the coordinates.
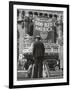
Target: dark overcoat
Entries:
(38, 49)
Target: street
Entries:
(23, 75)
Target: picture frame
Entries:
(14, 7)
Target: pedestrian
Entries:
(38, 55)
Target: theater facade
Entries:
(49, 26)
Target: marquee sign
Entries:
(43, 24)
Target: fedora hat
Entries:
(37, 37)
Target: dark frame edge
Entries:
(41, 85)
(10, 44)
(38, 4)
(68, 44)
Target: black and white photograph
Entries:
(39, 44)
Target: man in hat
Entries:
(38, 54)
